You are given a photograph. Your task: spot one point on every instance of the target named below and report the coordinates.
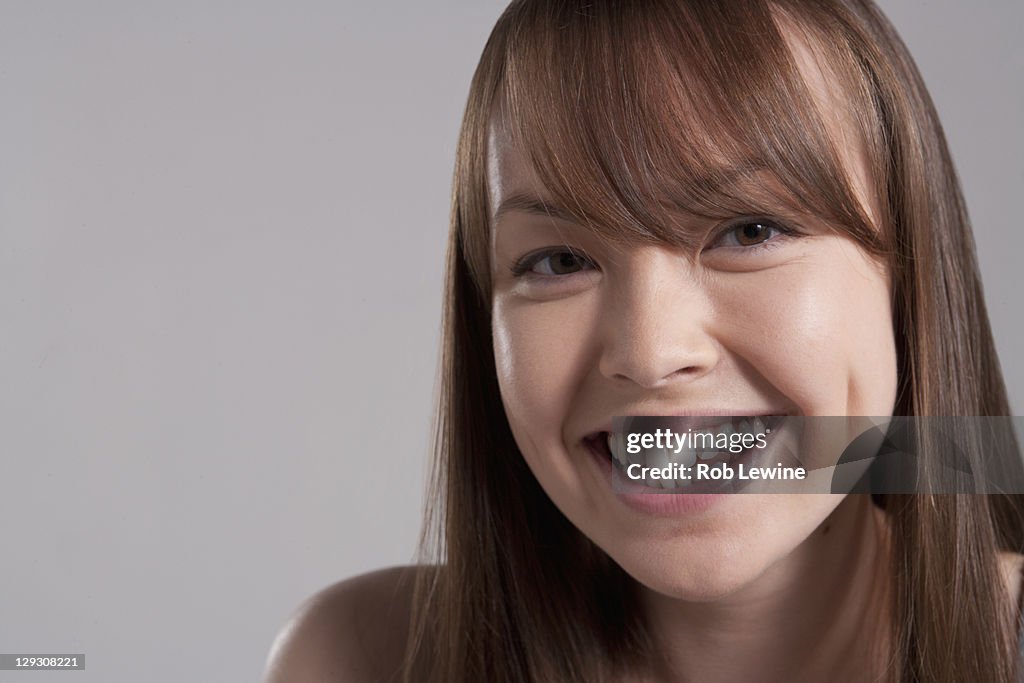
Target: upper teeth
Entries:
(617, 452)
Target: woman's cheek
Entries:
(536, 352)
(864, 332)
(819, 331)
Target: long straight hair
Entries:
(620, 106)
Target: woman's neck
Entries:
(820, 614)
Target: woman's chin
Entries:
(701, 582)
(695, 592)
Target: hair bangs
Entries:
(636, 120)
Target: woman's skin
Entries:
(756, 587)
(794, 324)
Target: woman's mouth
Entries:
(683, 455)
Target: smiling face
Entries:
(767, 314)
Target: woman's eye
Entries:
(552, 263)
(750, 233)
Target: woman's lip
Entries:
(653, 503)
(668, 502)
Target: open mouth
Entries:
(684, 455)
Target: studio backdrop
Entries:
(222, 230)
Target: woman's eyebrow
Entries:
(520, 201)
(734, 176)
(752, 179)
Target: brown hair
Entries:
(619, 105)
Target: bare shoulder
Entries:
(350, 632)
(1012, 567)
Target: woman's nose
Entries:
(655, 330)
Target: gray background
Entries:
(221, 238)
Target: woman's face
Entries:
(754, 322)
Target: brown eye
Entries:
(750, 234)
(553, 263)
(561, 263)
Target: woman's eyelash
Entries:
(568, 258)
(751, 234)
(745, 235)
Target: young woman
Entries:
(683, 208)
